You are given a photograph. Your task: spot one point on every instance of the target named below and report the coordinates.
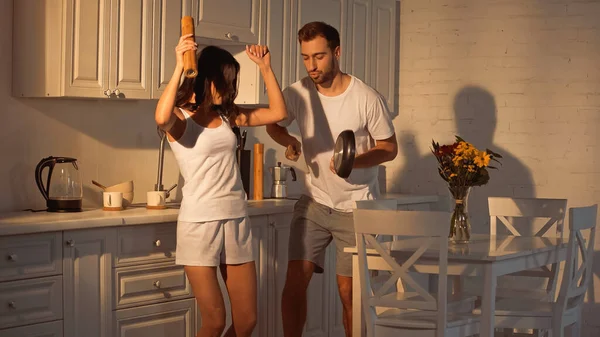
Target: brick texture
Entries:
(519, 77)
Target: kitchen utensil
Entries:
(99, 185)
(112, 201)
(259, 149)
(244, 160)
(63, 190)
(189, 57)
(244, 134)
(344, 153)
(279, 180)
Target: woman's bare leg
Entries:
(240, 280)
(209, 298)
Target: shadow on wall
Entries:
(475, 117)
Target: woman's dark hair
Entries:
(217, 66)
(184, 94)
(311, 30)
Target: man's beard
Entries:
(326, 76)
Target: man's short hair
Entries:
(311, 30)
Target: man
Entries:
(324, 104)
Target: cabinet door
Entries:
(383, 49)
(167, 30)
(172, 319)
(277, 39)
(87, 277)
(131, 49)
(52, 329)
(304, 11)
(358, 43)
(87, 48)
(278, 236)
(230, 20)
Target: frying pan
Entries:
(344, 153)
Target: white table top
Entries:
(482, 247)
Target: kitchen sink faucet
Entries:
(161, 158)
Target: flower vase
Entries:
(460, 224)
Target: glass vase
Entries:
(460, 224)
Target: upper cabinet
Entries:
(167, 29)
(371, 44)
(231, 20)
(102, 48)
(125, 49)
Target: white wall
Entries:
(520, 77)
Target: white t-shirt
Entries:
(321, 119)
(213, 186)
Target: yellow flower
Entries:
(483, 159)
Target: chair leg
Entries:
(558, 330)
(576, 329)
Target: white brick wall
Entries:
(521, 77)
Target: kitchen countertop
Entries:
(15, 223)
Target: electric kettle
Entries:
(63, 189)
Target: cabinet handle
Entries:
(229, 36)
(12, 257)
(70, 243)
(12, 304)
(156, 284)
(117, 92)
(107, 93)
(157, 243)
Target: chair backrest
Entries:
(502, 208)
(381, 204)
(577, 276)
(425, 231)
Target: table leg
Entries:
(358, 323)
(488, 305)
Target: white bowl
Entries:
(127, 189)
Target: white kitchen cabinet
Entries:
(87, 276)
(167, 13)
(234, 21)
(51, 329)
(323, 316)
(94, 48)
(172, 319)
(371, 44)
(301, 12)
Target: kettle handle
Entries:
(293, 172)
(46, 162)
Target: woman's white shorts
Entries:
(213, 243)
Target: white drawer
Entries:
(30, 301)
(149, 284)
(28, 256)
(51, 329)
(146, 244)
(170, 319)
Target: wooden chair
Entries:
(523, 313)
(415, 312)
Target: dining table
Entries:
(486, 256)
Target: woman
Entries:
(213, 228)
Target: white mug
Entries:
(113, 200)
(156, 198)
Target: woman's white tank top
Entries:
(213, 186)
